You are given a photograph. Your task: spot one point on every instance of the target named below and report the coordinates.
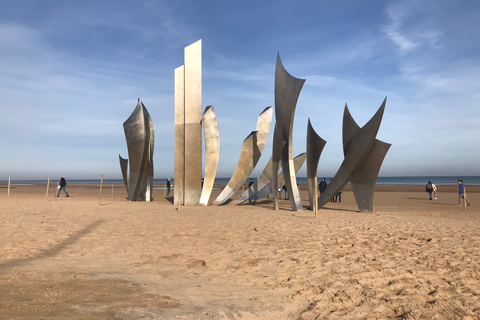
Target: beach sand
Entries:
(84, 257)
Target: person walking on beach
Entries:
(250, 183)
(434, 192)
(338, 196)
(322, 186)
(429, 189)
(169, 186)
(63, 184)
(461, 193)
(284, 189)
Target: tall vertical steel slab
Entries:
(315, 146)
(193, 127)
(212, 152)
(188, 128)
(179, 165)
(287, 90)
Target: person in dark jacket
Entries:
(429, 189)
(169, 186)
(63, 184)
(250, 183)
(322, 186)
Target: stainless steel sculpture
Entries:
(315, 146)
(263, 179)
(188, 130)
(252, 149)
(363, 158)
(287, 90)
(266, 188)
(212, 152)
(139, 134)
(364, 180)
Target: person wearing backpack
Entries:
(429, 189)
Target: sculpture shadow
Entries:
(55, 249)
(169, 199)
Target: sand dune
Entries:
(85, 258)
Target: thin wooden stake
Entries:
(112, 190)
(464, 198)
(48, 185)
(8, 194)
(101, 185)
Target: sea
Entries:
(404, 180)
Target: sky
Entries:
(71, 73)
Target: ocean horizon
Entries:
(386, 180)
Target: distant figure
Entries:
(461, 193)
(429, 189)
(250, 183)
(63, 184)
(322, 186)
(169, 186)
(434, 192)
(202, 182)
(284, 189)
(338, 196)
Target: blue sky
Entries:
(71, 73)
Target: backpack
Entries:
(428, 187)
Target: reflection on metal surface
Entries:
(188, 130)
(268, 189)
(212, 152)
(287, 90)
(363, 158)
(140, 143)
(315, 146)
(252, 149)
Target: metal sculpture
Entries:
(360, 146)
(188, 129)
(252, 149)
(267, 188)
(287, 90)
(315, 146)
(139, 134)
(212, 152)
(364, 180)
(263, 179)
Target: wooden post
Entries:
(112, 190)
(48, 185)
(8, 192)
(101, 185)
(165, 191)
(315, 203)
(464, 198)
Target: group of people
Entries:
(431, 188)
(322, 186)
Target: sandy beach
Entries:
(86, 257)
